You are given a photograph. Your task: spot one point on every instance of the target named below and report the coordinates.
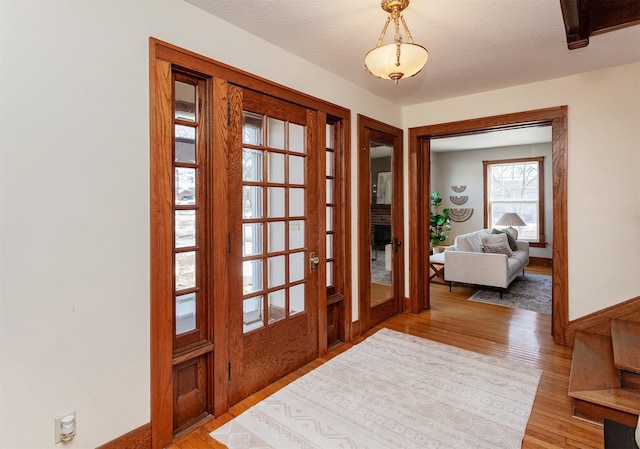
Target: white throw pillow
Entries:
(495, 238)
(497, 248)
(476, 242)
(471, 242)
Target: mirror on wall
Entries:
(381, 221)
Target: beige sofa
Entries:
(468, 263)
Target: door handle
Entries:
(397, 244)
(313, 262)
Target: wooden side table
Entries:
(436, 265)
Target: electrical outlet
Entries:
(59, 437)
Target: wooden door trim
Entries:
(365, 126)
(363, 233)
(161, 286)
(202, 64)
(321, 119)
(419, 155)
(222, 94)
(162, 58)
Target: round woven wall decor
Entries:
(460, 215)
(458, 200)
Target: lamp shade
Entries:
(511, 219)
(381, 61)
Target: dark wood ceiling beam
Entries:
(585, 18)
(571, 16)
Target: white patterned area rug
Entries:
(528, 292)
(394, 391)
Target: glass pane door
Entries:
(279, 293)
(273, 219)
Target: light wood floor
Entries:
(498, 331)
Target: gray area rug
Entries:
(528, 292)
(379, 275)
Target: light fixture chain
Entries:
(384, 31)
(398, 37)
(406, 29)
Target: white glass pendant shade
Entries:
(381, 61)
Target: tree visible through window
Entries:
(516, 185)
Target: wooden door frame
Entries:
(162, 58)
(419, 181)
(364, 220)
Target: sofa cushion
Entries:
(471, 242)
(495, 238)
(497, 248)
(521, 256)
(514, 265)
(510, 239)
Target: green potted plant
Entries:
(439, 223)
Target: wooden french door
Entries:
(249, 235)
(274, 221)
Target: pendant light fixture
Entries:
(399, 59)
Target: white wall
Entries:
(454, 168)
(74, 185)
(74, 195)
(603, 172)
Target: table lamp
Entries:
(511, 219)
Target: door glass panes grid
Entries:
(331, 186)
(514, 187)
(273, 219)
(187, 171)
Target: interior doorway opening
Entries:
(480, 181)
(420, 179)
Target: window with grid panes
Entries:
(516, 185)
(190, 320)
(273, 189)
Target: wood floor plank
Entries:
(517, 335)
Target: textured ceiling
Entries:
(509, 137)
(474, 45)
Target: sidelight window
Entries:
(188, 160)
